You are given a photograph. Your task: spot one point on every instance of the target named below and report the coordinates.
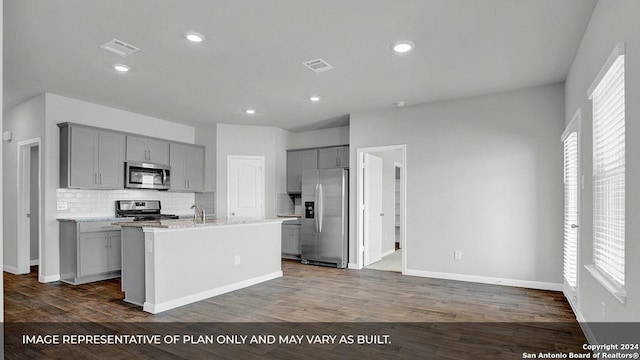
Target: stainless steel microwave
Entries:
(139, 175)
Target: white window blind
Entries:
(609, 173)
(571, 209)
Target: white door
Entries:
(245, 186)
(372, 209)
(571, 206)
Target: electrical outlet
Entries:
(457, 255)
(236, 260)
(604, 311)
(62, 205)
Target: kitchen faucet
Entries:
(198, 211)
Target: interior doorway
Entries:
(29, 207)
(387, 164)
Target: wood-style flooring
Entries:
(310, 294)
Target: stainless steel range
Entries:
(141, 210)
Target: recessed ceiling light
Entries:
(402, 46)
(121, 67)
(399, 103)
(315, 98)
(250, 111)
(194, 36)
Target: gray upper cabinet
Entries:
(91, 158)
(111, 167)
(187, 167)
(144, 149)
(334, 157)
(297, 161)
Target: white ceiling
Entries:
(254, 49)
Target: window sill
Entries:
(618, 292)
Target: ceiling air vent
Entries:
(317, 65)
(119, 47)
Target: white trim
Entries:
(586, 330)
(360, 196)
(34, 262)
(487, 280)
(10, 269)
(575, 125)
(354, 266)
(618, 292)
(48, 278)
(264, 185)
(571, 296)
(172, 304)
(23, 255)
(618, 50)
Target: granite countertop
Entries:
(189, 223)
(290, 215)
(96, 219)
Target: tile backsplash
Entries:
(97, 203)
(207, 201)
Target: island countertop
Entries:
(175, 224)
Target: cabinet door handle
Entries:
(101, 178)
(188, 184)
(95, 178)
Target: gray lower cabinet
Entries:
(91, 158)
(298, 161)
(89, 251)
(187, 167)
(144, 149)
(334, 157)
(291, 241)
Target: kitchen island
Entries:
(171, 263)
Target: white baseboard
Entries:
(353, 266)
(486, 280)
(172, 304)
(49, 278)
(10, 269)
(34, 262)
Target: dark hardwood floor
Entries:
(310, 294)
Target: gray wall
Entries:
(250, 141)
(26, 121)
(206, 135)
(315, 138)
(612, 22)
(484, 176)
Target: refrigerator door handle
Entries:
(317, 210)
(321, 208)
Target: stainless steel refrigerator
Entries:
(325, 197)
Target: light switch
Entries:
(457, 255)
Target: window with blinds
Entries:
(571, 209)
(609, 172)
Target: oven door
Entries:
(147, 176)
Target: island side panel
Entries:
(133, 265)
(188, 265)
